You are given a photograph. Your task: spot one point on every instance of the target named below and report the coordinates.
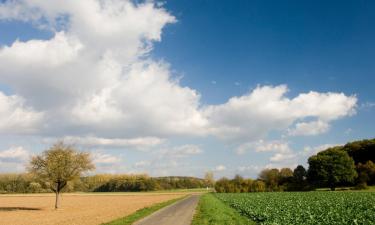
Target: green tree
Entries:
(361, 151)
(271, 177)
(331, 167)
(58, 165)
(258, 186)
(366, 173)
(299, 180)
(299, 174)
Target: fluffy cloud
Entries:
(16, 118)
(266, 108)
(92, 141)
(309, 128)
(17, 153)
(13, 159)
(281, 151)
(99, 87)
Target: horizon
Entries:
(182, 88)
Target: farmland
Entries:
(304, 208)
(76, 208)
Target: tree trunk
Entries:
(333, 188)
(57, 202)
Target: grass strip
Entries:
(141, 213)
(212, 211)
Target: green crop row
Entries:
(305, 208)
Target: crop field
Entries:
(304, 208)
(82, 209)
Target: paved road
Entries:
(179, 213)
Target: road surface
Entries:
(179, 213)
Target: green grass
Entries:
(141, 213)
(212, 211)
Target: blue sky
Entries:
(185, 87)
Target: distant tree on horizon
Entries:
(58, 165)
(271, 177)
(209, 179)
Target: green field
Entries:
(304, 207)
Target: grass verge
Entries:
(212, 211)
(141, 213)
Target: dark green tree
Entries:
(361, 151)
(331, 168)
(366, 173)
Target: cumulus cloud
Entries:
(280, 149)
(99, 87)
(309, 128)
(266, 108)
(16, 118)
(92, 141)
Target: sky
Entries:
(185, 87)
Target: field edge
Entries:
(212, 211)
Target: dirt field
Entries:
(75, 209)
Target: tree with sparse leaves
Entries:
(209, 179)
(58, 165)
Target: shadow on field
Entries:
(17, 208)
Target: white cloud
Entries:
(100, 87)
(180, 151)
(264, 146)
(280, 149)
(61, 49)
(309, 150)
(309, 128)
(103, 158)
(266, 108)
(98, 79)
(13, 159)
(220, 168)
(17, 153)
(92, 141)
(16, 118)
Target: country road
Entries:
(180, 213)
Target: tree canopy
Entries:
(60, 164)
(331, 167)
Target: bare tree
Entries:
(58, 165)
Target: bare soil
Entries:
(76, 209)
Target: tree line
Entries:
(348, 165)
(27, 183)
